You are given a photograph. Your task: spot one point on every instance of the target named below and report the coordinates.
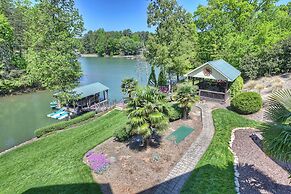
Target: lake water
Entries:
(21, 114)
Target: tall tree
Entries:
(52, 55)
(174, 44)
(152, 78)
(6, 41)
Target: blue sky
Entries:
(123, 14)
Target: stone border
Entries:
(178, 176)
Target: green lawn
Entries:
(54, 163)
(214, 173)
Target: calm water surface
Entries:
(20, 115)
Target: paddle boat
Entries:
(62, 116)
(56, 113)
(53, 104)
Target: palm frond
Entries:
(279, 106)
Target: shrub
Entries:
(247, 103)
(276, 141)
(175, 112)
(121, 134)
(63, 124)
(236, 86)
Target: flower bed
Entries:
(97, 162)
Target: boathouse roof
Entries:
(88, 90)
(218, 70)
(91, 89)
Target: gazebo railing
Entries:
(207, 94)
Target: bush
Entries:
(276, 141)
(236, 86)
(175, 112)
(247, 103)
(121, 134)
(62, 125)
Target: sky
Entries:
(124, 14)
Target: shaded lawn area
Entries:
(214, 172)
(54, 164)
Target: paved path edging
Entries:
(182, 171)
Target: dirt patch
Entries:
(267, 85)
(258, 173)
(136, 171)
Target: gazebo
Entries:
(214, 79)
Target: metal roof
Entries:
(90, 89)
(225, 69)
(222, 67)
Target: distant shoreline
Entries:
(116, 56)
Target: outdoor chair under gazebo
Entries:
(214, 78)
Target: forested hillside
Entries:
(114, 42)
(254, 36)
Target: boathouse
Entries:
(89, 97)
(214, 79)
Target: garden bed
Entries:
(134, 171)
(258, 173)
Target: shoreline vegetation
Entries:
(133, 57)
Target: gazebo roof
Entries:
(222, 71)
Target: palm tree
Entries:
(277, 135)
(147, 112)
(279, 107)
(128, 86)
(186, 96)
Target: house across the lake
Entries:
(214, 77)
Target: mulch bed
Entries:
(258, 173)
(135, 171)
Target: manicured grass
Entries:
(214, 173)
(54, 164)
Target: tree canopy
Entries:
(40, 45)
(174, 44)
(113, 42)
(241, 32)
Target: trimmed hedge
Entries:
(247, 103)
(62, 125)
(236, 87)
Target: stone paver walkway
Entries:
(182, 171)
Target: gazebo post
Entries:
(225, 91)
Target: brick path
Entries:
(182, 171)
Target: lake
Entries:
(22, 114)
